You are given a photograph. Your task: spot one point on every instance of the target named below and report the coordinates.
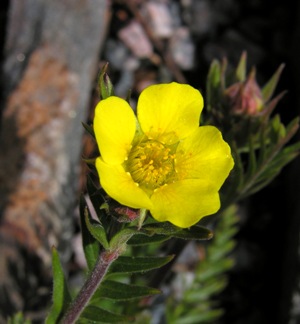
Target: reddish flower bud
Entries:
(245, 98)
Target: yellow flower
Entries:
(162, 160)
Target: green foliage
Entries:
(18, 319)
(265, 158)
(94, 314)
(197, 304)
(121, 243)
(120, 291)
(257, 139)
(91, 246)
(105, 86)
(105, 234)
(61, 296)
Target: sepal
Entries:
(105, 85)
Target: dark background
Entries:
(265, 281)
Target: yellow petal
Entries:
(168, 112)
(204, 155)
(119, 185)
(114, 126)
(184, 203)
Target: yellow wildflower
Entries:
(162, 160)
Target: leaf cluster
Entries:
(259, 141)
(198, 303)
(105, 230)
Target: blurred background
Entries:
(51, 53)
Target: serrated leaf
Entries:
(96, 229)
(125, 264)
(91, 246)
(194, 233)
(96, 314)
(121, 291)
(61, 296)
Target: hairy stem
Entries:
(105, 260)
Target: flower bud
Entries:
(245, 98)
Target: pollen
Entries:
(151, 164)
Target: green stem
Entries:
(105, 260)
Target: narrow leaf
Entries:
(89, 129)
(61, 296)
(96, 229)
(213, 83)
(140, 239)
(210, 288)
(164, 228)
(207, 317)
(91, 246)
(125, 264)
(105, 86)
(122, 237)
(99, 315)
(194, 233)
(241, 68)
(121, 291)
(269, 88)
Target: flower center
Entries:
(150, 164)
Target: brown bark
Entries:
(51, 56)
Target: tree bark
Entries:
(50, 62)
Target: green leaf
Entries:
(141, 239)
(89, 129)
(97, 197)
(121, 291)
(96, 229)
(99, 315)
(206, 318)
(125, 264)
(122, 237)
(18, 319)
(269, 88)
(91, 246)
(210, 270)
(209, 288)
(194, 233)
(61, 296)
(213, 84)
(242, 68)
(164, 228)
(105, 86)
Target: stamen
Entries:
(151, 164)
